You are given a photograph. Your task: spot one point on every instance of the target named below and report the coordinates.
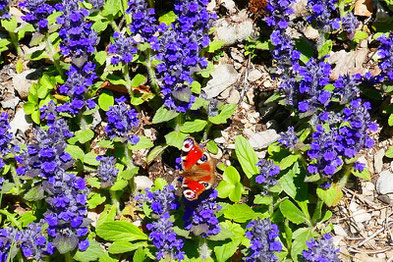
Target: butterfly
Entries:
(199, 169)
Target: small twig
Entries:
(244, 87)
(373, 235)
(367, 251)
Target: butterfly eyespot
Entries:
(187, 145)
(206, 185)
(203, 159)
(189, 194)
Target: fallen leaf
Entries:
(364, 8)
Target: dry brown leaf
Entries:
(364, 8)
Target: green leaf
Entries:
(95, 199)
(119, 185)
(119, 247)
(212, 147)
(389, 152)
(36, 116)
(29, 108)
(64, 245)
(106, 143)
(75, 151)
(365, 174)
(325, 49)
(231, 175)
(300, 237)
(390, 120)
(82, 136)
(90, 159)
(34, 194)
(225, 251)
(359, 35)
(9, 24)
(106, 100)
(100, 57)
(139, 255)
(287, 181)
(143, 143)
(239, 213)
(100, 25)
(175, 139)
(24, 29)
(196, 87)
(108, 215)
(193, 126)
(138, 80)
(226, 112)
(112, 8)
(262, 200)
(92, 253)
(168, 18)
(93, 181)
(272, 98)
(330, 196)
(224, 189)
(164, 115)
(291, 212)
(156, 151)
(288, 161)
(215, 45)
(246, 156)
(120, 231)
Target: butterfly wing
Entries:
(198, 169)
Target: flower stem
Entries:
(152, 74)
(207, 130)
(14, 41)
(51, 52)
(15, 178)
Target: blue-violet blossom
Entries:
(321, 251)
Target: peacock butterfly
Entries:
(199, 169)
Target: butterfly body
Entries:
(199, 172)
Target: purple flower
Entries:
(349, 24)
(49, 113)
(143, 20)
(34, 243)
(179, 49)
(97, 4)
(264, 246)
(289, 138)
(161, 200)
(267, 172)
(200, 215)
(385, 52)
(38, 12)
(78, 82)
(347, 87)
(78, 39)
(122, 122)
(4, 12)
(321, 251)
(165, 239)
(124, 48)
(5, 138)
(107, 170)
(323, 13)
(8, 237)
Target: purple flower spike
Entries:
(323, 14)
(4, 9)
(267, 172)
(289, 138)
(107, 170)
(263, 237)
(385, 52)
(38, 12)
(122, 122)
(321, 251)
(200, 215)
(124, 49)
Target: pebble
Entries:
(384, 199)
(237, 57)
(262, 139)
(339, 231)
(20, 122)
(384, 183)
(142, 182)
(22, 84)
(368, 189)
(378, 160)
(223, 77)
(234, 97)
(361, 216)
(94, 217)
(10, 102)
(234, 32)
(254, 75)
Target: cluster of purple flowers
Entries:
(77, 37)
(200, 215)
(4, 5)
(385, 52)
(267, 172)
(162, 201)
(263, 237)
(124, 47)
(46, 158)
(349, 24)
(324, 250)
(122, 122)
(143, 20)
(289, 138)
(322, 13)
(179, 49)
(31, 240)
(107, 170)
(97, 4)
(76, 86)
(5, 137)
(38, 12)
